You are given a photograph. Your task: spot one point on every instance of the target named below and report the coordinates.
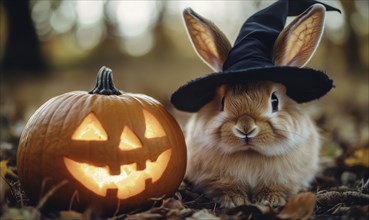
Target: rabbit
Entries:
(252, 144)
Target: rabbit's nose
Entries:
(245, 132)
(252, 132)
(245, 127)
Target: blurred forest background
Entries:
(51, 47)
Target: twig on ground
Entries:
(349, 197)
(49, 193)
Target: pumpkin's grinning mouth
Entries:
(141, 166)
(129, 182)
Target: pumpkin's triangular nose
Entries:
(129, 140)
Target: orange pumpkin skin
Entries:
(47, 140)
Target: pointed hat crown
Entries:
(250, 59)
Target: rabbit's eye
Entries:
(222, 105)
(275, 102)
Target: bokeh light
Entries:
(136, 17)
(89, 12)
(133, 22)
(63, 18)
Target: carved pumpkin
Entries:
(117, 150)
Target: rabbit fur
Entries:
(243, 147)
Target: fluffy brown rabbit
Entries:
(251, 142)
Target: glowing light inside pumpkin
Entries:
(129, 140)
(90, 130)
(129, 182)
(153, 127)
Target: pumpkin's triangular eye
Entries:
(153, 126)
(90, 130)
(129, 140)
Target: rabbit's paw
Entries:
(270, 197)
(232, 199)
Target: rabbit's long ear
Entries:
(210, 43)
(297, 42)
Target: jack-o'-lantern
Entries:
(117, 150)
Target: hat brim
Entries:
(303, 85)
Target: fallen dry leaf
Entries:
(171, 203)
(252, 211)
(203, 214)
(300, 206)
(4, 170)
(4, 187)
(71, 215)
(144, 215)
(21, 213)
(360, 157)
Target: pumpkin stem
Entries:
(104, 83)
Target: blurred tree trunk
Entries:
(351, 46)
(22, 50)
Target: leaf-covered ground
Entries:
(340, 190)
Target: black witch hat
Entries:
(250, 60)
